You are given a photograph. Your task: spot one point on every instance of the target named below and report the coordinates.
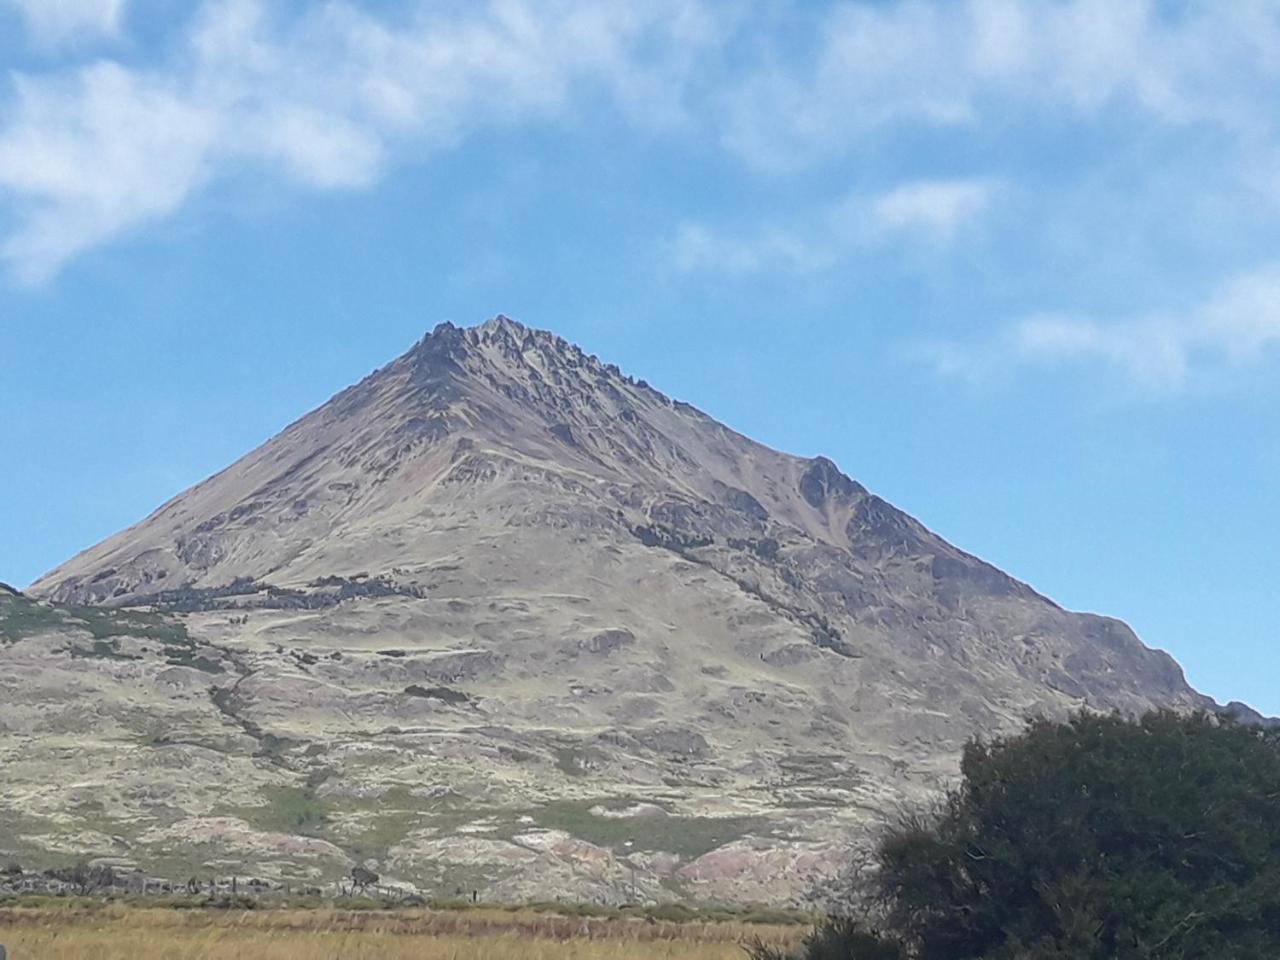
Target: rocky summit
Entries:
(502, 618)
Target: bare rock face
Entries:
(458, 621)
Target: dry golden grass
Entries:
(120, 933)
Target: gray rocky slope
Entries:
(497, 610)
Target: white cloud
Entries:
(934, 210)
(1234, 329)
(93, 154)
(937, 208)
(954, 64)
(323, 99)
(56, 21)
(328, 95)
(698, 248)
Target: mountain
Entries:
(498, 609)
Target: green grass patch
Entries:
(296, 810)
(376, 825)
(365, 828)
(690, 837)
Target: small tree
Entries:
(1096, 839)
(361, 879)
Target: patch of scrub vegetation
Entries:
(578, 762)
(22, 617)
(378, 834)
(447, 810)
(372, 827)
(367, 827)
(105, 623)
(289, 809)
(690, 837)
(443, 694)
(88, 819)
(102, 650)
(16, 833)
(570, 762)
(186, 657)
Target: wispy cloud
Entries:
(329, 95)
(57, 21)
(936, 208)
(698, 247)
(951, 64)
(322, 100)
(93, 154)
(1234, 329)
(930, 210)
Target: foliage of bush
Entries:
(840, 938)
(1096, 839)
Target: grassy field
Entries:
(115, 932)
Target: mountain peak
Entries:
(510, 337)
(499, 324)
(502, 322)
(506, 564)
(502, 427)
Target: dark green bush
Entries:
(837, 939)
(1099, 838)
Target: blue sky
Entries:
(1012, 264)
